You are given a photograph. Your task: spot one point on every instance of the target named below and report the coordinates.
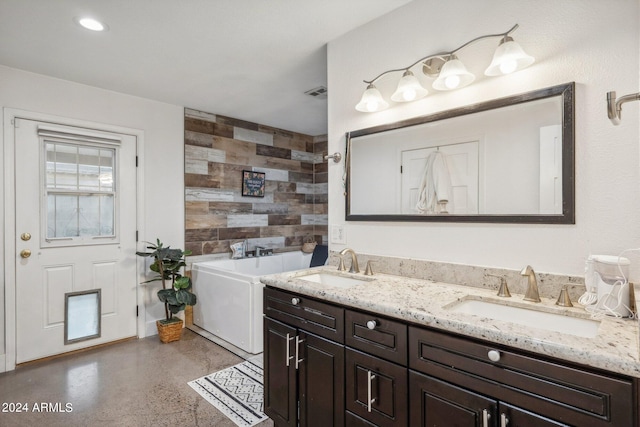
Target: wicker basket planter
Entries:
(171, 331)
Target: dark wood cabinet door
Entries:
(512, 416)
(280, 394)
(321, 382)
(435, 403)
(386, 384)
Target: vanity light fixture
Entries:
(448, 70)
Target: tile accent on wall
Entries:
(217, 150)
(252, 136)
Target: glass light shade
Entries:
(508, 57)
(371, 100)
(454, 75)
(409, 89)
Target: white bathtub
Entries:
(230, 295)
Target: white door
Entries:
(75, 233)
(462, 162)
(551, 170)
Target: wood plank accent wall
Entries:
(217, 150)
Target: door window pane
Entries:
(80, 186)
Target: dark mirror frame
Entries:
(567, 93)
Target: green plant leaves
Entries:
(167, 265)
(185, 297)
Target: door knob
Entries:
(25, 236)
(25, 253)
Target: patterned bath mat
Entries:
(237, 392)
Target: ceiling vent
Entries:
(319, 92)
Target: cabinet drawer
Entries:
(320, 318)
(387, 339)
(563, 393)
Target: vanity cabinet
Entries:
(328, 365)
(304, 370)
(509, 388)
(376, 373)
(438, 403)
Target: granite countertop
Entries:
(615, 348)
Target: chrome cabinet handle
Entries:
(298, 342)
(503, 420)
(288, 357)
(295, 301)
(371, 324)
(485, 418)
(370, 378)
(494, 355)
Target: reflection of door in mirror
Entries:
(551, 170)
(461, 159)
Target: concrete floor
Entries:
(135, 383)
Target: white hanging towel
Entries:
(435, 187)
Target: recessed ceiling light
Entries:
(91, 24)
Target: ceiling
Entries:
(247, 59)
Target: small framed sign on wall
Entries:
(253, 183)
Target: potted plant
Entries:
(176, 289)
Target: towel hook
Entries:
(614, 107)
(335, 156)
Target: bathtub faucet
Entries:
(259, 250)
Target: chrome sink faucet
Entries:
(532, 287)
(354, 261)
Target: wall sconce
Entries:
(449, 73)
(614, 107)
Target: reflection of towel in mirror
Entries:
(435, 185)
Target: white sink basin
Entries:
(557, 322)
(332, 280)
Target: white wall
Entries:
(163, 126)
(594, 43)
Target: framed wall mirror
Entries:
(508, 160)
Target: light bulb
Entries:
(372, 106)
(452, 82)
(91, 24)
(409, 95)
(508, 66)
